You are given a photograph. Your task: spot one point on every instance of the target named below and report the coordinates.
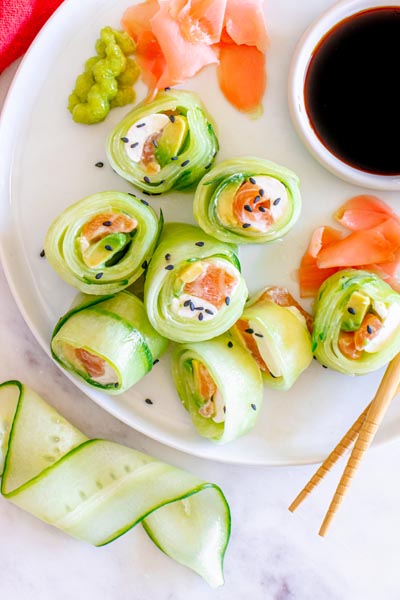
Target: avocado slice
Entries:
(355, 311)
(224, 201)
(172, 138)
(101, 252)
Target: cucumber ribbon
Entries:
(357, 322)
(247, 200)
(107, 341)
(231, 406)
(276, 335)
(102, 243)
(165, 144)
(194, 290)
(96, 490)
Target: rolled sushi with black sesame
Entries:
(107, 342)
(247, 200)
(220, 386)
(165, 144)
(102, 243)
(194, 289)
(356, 322)
(275, 330)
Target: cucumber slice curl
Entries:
(96, 490)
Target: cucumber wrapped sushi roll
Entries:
(357, 322)
(107, 341)
(194, 290)
(274, 329)
(247, 200)
(220, 386)
(102, 243)
(165, 144)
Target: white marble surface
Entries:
(272, 555)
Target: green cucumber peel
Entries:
(97, 490)
(209, 190)
(64, 252)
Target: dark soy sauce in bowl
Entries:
(352, 94)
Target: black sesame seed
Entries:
(369, 329)
(99, 164)
(116, 385)
(208, 166)
(99, 275)
(134, 144)
(155, 143)
(224, 409)
(259, 335)
(248, 208)
(199, 308)
(167, 89)
(186, 303)
(146, 179)
(351, 310)
(185, 163)
(276, 201)
(107, 223)
(253, 406)
(191, 306)
(257, 198)
(227, 300)
(155, 361)
(42, 254)
(167, 256)
(246, 225)
(209, 312)
(172, 118)
(249, 330)
(144, 202)
(201, 316)
(147, 193)
(133, 195)
(155, 194)
(230, 344)
(125, 140)
(108, 247)
(169, 267)
(140, 125)
(145, 264)
(324, 367)
(174, 158)
(252, 180)
(262, 209)
(261, 192)
(199, 244)
(148, 401)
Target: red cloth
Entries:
(20, 21)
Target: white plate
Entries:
(47, 162)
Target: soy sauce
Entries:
(352, 90)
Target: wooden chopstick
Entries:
(363, 431)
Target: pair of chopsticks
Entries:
(362, 432)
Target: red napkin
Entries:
(20, 21)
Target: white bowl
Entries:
(298, 112)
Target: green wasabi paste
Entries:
(107, 79)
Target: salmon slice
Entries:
(199, 20)
(245, 24)
(93, 364)
(363, 212)
(374, 245)
(310, 275)
(214, 285)
(183, 58)
(282, 297)
(104, 224)
(248, 197)
(241, 326)
(368, 330)
(242, 76)
(347, 345)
